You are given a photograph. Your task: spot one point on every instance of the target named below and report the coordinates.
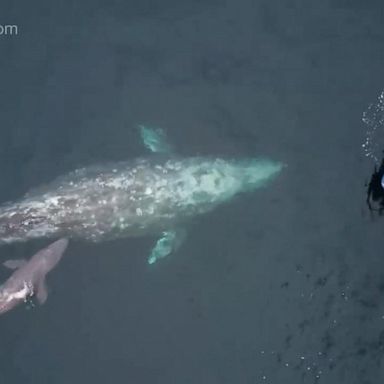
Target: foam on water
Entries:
(373, 118)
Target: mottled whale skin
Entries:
(130, 198)
(28, 279)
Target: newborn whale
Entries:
(157, 194)
(28, 279)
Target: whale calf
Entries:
(28, 279)
(157, 194)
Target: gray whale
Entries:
(133, 198)
(28, 278)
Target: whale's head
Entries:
(254, 173)
(208, 182)
(11, 297)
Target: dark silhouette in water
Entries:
(375, 190)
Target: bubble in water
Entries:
(373, 118)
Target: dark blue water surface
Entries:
(281, 286)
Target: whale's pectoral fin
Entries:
(42, 291)
(155, 139)
(168, 243)
(14, 263)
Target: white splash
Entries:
(373, 118)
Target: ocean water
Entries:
(282, 285)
